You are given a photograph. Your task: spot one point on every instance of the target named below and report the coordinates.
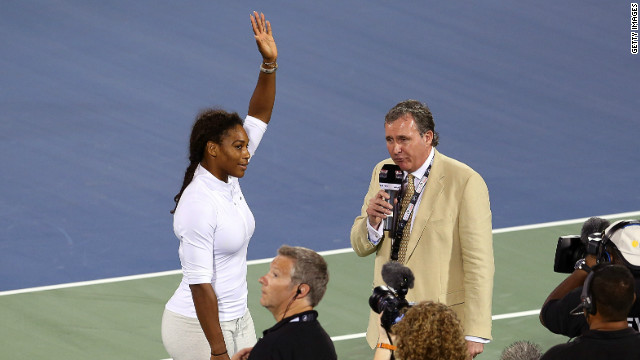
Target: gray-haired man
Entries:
(295, 284)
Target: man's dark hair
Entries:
(420, 113)
(613, 290)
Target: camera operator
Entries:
(606, 300)
(619, 244)
(428, 330)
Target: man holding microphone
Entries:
(442, 228)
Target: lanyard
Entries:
(397, 236)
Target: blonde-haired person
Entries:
(428, 331)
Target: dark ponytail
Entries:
(188, 176)
(210, 125)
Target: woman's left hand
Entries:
(264, 37)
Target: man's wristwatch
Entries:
(582, 265)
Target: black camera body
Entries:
(572, 248)
(390, 300)
(389, 303)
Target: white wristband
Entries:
(269, 70)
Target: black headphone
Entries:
(588, 303)
(298, 292)
(586, 297)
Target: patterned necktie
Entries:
(406, 199)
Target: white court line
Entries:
(494, 317)
(563, 222)
(516, 314)
(348, 337)
(263, 261)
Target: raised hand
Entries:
(264, 37)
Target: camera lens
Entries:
(382, 299)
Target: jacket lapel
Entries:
(433, 190)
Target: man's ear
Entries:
(303, 291)
(428, 137)
(212, 148)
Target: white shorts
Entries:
(184, 339)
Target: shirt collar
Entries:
(305, 316)
(418, 173)
(213, 182)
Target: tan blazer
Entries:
(450, 249)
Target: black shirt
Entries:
(557, 318)
(297, 337)
(599, 345)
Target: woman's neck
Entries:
(214, 171)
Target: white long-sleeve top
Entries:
(214, 225)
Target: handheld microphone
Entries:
(390, 179)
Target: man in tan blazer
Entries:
(450, 246)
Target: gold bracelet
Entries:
(386, 346)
